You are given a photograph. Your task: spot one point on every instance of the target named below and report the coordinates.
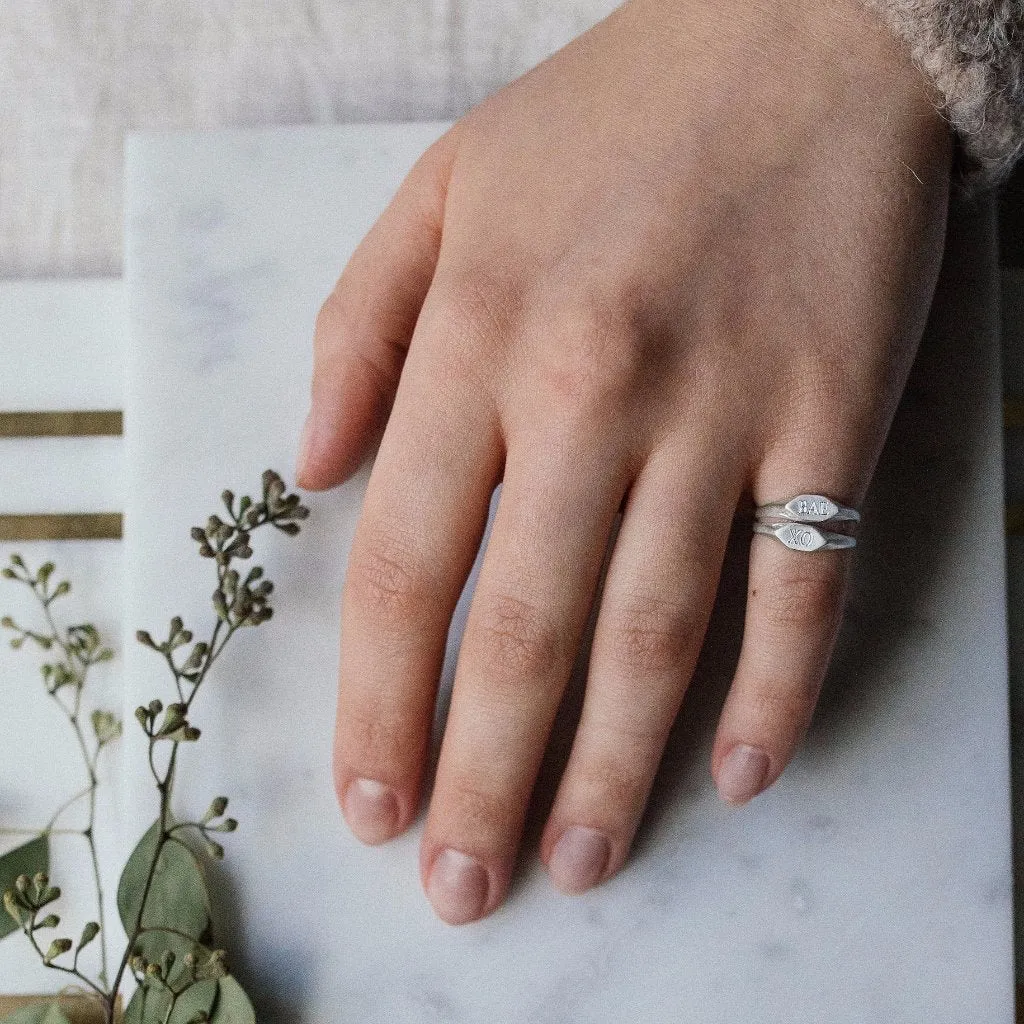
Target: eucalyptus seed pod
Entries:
(146, 640)
(57, 948)
(217, 807)
(13, 908)
(89, 932)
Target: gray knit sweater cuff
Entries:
(973, 52)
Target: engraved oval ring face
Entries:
(813, 508)
(801, 538)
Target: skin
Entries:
(682, 265)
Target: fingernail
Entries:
(371, 810)
(742, 774)
(305, 448)
(579, 860)
(457, 887)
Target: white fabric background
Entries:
(76, 74)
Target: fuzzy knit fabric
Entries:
(973, 52)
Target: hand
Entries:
(686, 260)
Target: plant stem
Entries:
(165, 786)
(90, 760)
(64, 806)
(73, 971)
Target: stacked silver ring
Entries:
(796, 523)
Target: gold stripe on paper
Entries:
(63, 526)
(108, 423)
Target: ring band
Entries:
(809, 508)
(805, 537)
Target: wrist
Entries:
(803, 65)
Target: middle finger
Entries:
(533, 596)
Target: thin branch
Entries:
(74, 971)
(64, 806)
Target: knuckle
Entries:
(618, 785)
(482, 814)
(802, 601)
(374, 742)
(790, 702)
(652, 636)
(593, 362)
(514, 638)
(386, 577)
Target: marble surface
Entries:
(61, 348)
(872, 883)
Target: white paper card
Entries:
(61, 349)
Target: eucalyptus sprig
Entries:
(76, 649)
(162, 897)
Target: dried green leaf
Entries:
(233, 1005)
(198, 998)
(178, 897)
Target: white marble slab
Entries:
(873, 883)
(61, 348)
